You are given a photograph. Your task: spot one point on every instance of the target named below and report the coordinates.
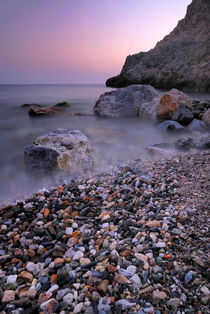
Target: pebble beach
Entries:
(132, 240)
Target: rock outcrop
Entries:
(124, 102)
(60, 150)
(181, 59)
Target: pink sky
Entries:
(79, 41)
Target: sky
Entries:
(78, 41)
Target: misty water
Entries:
(114, 140)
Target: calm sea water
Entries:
(114, 140)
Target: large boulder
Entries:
(124, 102)
(61, 149)
(39, 158)
(170, 102)
(166, 105)
(180, 60)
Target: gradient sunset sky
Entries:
(78, 41)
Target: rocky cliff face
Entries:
(181, 59)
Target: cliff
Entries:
(181, 59)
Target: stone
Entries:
(35, 269)
(68, 298)
(158, 295)
(28, 277)
(84, 261)
(72, 146)
(174, 302)
(184, 144)
(50, 306)
(170, 126)
(121, 279)
(148, 110)
(206, 117)
(141, 257)
(183, 115)
(197, 125)
(9, 295)
(78, 255)
(203, 144)
(62, 104)
(125, 304)
(159, 152)
(170, 102)
(179, 60)
(12, 279)
(43, 111)
(153, 224)
(124, 101)
(103, 286)
(39, 158)
(78, 308)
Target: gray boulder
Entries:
(197, 125)
(39, 158)
(124, 102)
(183, 115)
(180, 60)
(171, 126)
(62, 149)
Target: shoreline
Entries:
(133, 240)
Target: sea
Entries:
(114, 140)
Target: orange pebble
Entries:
(53, 278)
(167, 256)
(74, 214)
(46, 212)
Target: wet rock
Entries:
(39, 158)
(124, 101)
(197, 125)
(183, 115)
(9, 295)
(206, 117)
(73, 147)
(171, 126)
(43, 111)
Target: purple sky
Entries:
(78, 41)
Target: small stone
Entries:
(68, 230)
(174, 302)
(159, 295)
(205, 290)
(78, 308)
(9, 295)
(125, 304)
(131, 269)
(78, 255)
(135, 279)
(188, 277)
(28, 277)
(121, 279)
(50, 306)
(68, 298)
(12, 279)
(199, 261)
(103, 286)
(153, 224)
(84, 261)
(141, 257)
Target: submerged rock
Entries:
(62, 104)
(180, 60)
(61, 149)
(124, 101)
(43, 111)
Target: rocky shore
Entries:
(134, 240)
